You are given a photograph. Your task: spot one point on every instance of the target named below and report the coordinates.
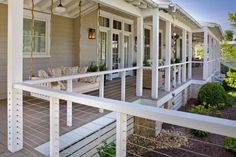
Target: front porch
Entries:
(123, 41)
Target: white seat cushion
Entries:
(82, 87)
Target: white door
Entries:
(127, 53)
(115, 53)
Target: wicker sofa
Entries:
(82, 85)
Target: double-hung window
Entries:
(42, 35)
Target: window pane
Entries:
(127, 27)
(117, 25)
(40, 36)
(103, 47)
(104, 22)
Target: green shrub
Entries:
(146, 63)
(107, 150)
(230, 80)
(93, 67)
(212, 94)
(200, 109)
(199, 133)
(102, 67)
(230, 144)
(177, 60)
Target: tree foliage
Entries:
(228, 52)
(229, 35)
(232, 19)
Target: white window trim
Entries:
(47, 19)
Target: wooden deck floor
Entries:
(36, 116)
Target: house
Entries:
(117, 33)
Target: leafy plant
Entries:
(230, 80)
(93, 67)
(199, 133)
(177, 60)
(172, 61)
(102, 67)
(146, 63)
(107, 150)
(218, 114)
(212, 94)
(200, 109)
(230, 144)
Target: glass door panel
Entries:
(103, 48)
(115, 53)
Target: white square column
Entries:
(190, 55)
(155, 54)
(140, 53)
(168, 57)
(184, 47)
(205, 60)
(15, 74)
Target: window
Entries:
(104, 22)
(41, 47)
(147, 41)
(117, 25)
(127, 27)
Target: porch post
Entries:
(155, 53)
(121, 134)
(140, 50)
(190, 56)
(168, 57)
(205, 67)
(15, 74)
(54, 127)
(210, 57)
(184, 43)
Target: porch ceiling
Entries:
(72, 6)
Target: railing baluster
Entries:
(121, 134)
(101, 89)
(123, 75)
(54, 127)
(69, 104)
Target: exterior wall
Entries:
(88, 49)
(63, 48)
(3, 51)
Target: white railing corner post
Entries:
(123, 84)
(101, 89)
(69, 104)
(15, 120)
(121, 134)
(54, 127)
(15, 74)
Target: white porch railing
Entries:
(206, 123)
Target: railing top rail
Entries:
(228, 65)
(200, 122)
(77, 76)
